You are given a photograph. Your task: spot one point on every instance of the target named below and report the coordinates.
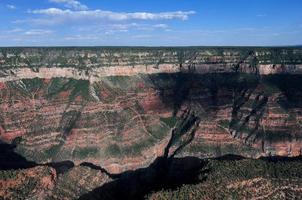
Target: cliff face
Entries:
(95, 63)
(116, 107)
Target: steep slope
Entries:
(115, 107)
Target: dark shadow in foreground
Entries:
(162, 175)
(230, 157)
(159, 175)
(10, 160)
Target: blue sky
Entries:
(150, 22)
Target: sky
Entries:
(150, 22)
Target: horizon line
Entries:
(151, 46)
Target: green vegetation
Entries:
(113, 150)
(224, 123)
(78, 57)
(73, 86)
(17, 141)
(53, 151)
(270, 89)
(133, 149)
(56, 86)
(137, 148)
(80, 88)
(277, 136)
(212, 150)
(86, 152)
(27, 87)
(239, 179)
(158, 131)
(8, 174)
(170, 121)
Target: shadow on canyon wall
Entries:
(10, 160)
(247, 95)
(179, 88)
(290, 86)
(161, 174)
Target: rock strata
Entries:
(116, 107)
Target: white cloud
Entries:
(124, 26)
(114, 16)
(37, 32)
(72, 4)
(82, 37)
(116, 28)
(163, 26)
(137, 26)
(11, 7)
(87, 25)
(111, 32)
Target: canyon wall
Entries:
(116, 107)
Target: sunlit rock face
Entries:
(116, 107)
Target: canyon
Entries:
(122, 108)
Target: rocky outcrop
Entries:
(45, 183)
(34, 183)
